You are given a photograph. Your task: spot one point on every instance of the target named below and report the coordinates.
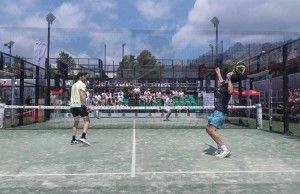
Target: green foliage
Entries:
(144, 66)
(67, 59)
(146, 58)
(128, 61)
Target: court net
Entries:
(118, 117)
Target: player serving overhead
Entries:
(217, 118)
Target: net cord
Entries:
(125, 107)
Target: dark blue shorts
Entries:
(217, 119)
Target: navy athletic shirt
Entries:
(222, 98)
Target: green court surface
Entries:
(148, 161)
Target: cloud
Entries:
(69, 15)
(23, 42)
(16, 8)
(154, 9)
(107, 8)
(74, 22)
(113, 40)
(247, 20)
(12, 9)
(35, 21)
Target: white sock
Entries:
(219, 146)
(224, 148)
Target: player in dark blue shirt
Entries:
(217, 118)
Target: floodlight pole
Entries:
(123, 46)
(50, 18)
(9, 45)
(105, 57)
(216, 22)
(212, 53)
(212, 62)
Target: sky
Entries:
(173, 29)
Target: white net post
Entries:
(259, 120)
(13, 86)
(1, 115)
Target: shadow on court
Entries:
(210, 150)
(165, 161)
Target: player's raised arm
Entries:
(230, 86)
(218, 72)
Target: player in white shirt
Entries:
(168, 103)
(181, 94)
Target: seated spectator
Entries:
(158, 94)
(181, 94)
(120, 97)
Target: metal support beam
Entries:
(285, 90)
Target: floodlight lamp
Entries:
(215, 21)
(50, 18)
(9, 44)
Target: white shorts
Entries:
(168, 108)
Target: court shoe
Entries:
(73, 142)
(223, 154)
(218, 151)
(85, 141)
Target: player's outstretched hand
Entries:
(228, 76)
(217, 70)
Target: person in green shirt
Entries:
(79, 108)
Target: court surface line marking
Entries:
(133, 158)
(147, 173)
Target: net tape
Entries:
(125, 107)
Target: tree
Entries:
(147, 66)
(67, 59)
(128, 61)
(127, 65)
(144, 66)
(146, 58)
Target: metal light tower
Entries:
(216, 22)
(50, 18)
(105, 57)
(9, 45)
(123, 45)
(212, 53)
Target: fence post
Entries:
(21, 101)
(259, 120)
(13, 87)
(37, 92)
(1, 61)
(285, 90)
(2, 110)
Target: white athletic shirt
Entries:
(168, 101)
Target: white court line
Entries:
(75, 174)
(133, 158)
(221, 172)
(151, 173)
